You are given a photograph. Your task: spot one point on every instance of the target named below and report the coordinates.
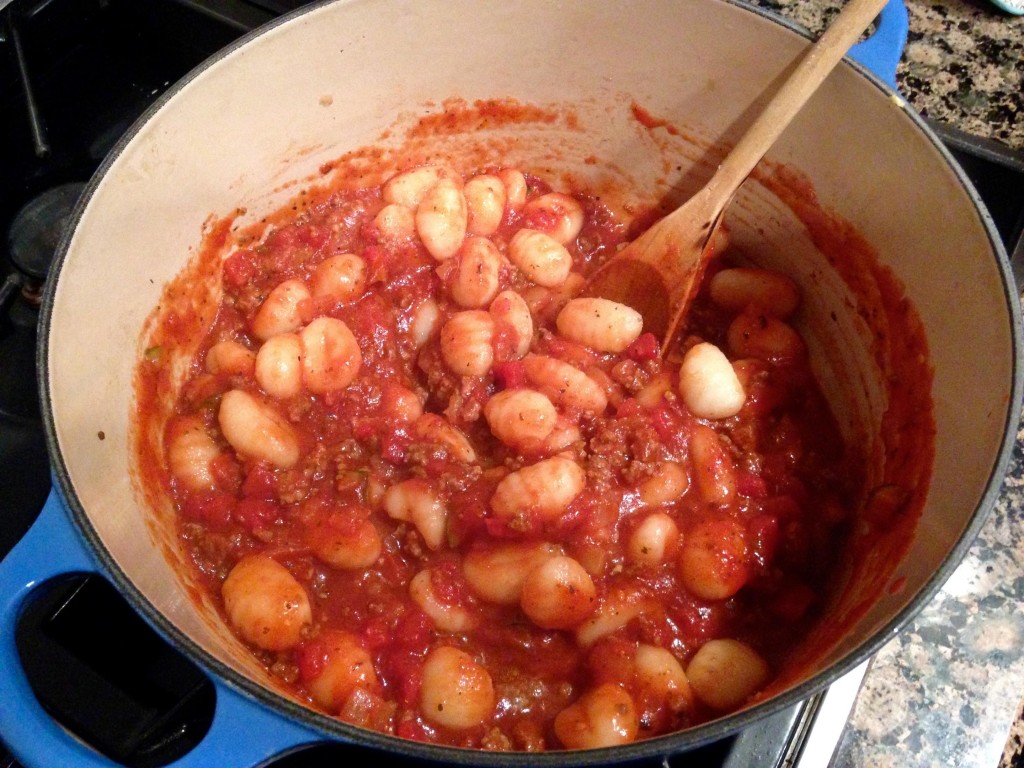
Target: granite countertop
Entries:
(963, 64)
(948, 689)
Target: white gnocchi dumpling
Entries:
(456, 691)
(545, 489)
(708, 383)
(603, 717)
(725, 673)
(604, 325)
(255, 429)
(265, 604)
(280, 311)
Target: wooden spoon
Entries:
(659, 273)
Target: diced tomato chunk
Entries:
(543, 219)
(699, 621)
(226, 472)
(313, 235)
(509, 375)
(611, 659)
(364, 429)
(260, 483)
(256, 513)
(310, 658)
(750, 485)
(671, 426)
(394, 446)
(628, 407)
(646, 347)
(240, 268)
(213, 509)
(448, 584)
(376, 634)
(505, 341)
(402, 663)
(781, 507)
(376, 263)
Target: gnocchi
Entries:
(255, 429)
(516, 190)
(442, 219)
(230, 358)
(520, 417)
(278, 368)
(341, 667)
(416, 502)
(467, 343)
(485, 203)
(341, 278)
(447, 617)
(476, 279)
(755, 333)
(497, 575)
(660, 673)
(346, 540)
(191, 452)
(742, 287)
(605, 325)
(557, 215)
(457, 692)
(540, 257)
(544, 489)
(708, 384)
(667, 483)
(330, 355)
(510, 310)
(725, 672)
(279, 312)
(558, 593)
(565, 384)
(713, 559)
(653, 541)
(266, 604)
(395, 223)
(408, 188)
(603, 717)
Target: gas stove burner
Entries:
(32, 241)
(35, 233)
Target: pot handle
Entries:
(243, 732)
(882, 51)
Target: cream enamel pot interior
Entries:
(268, 113)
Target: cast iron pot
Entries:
(278, 106)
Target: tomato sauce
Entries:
(684, 529)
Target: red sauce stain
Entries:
(457, 116)
(649, 121)
(905, 445)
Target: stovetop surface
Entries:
(91, 67)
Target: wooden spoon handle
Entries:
(791, 96)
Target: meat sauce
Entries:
(443, 496)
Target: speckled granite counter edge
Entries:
(947, 690)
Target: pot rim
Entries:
(666, 745)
